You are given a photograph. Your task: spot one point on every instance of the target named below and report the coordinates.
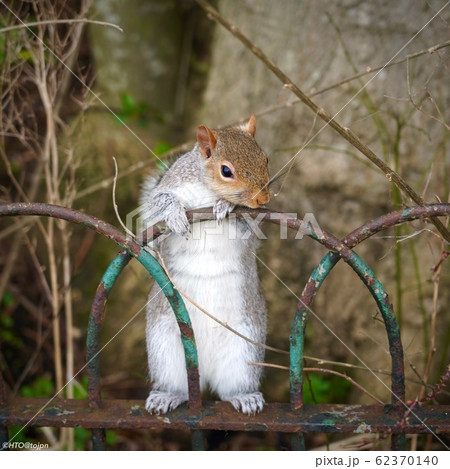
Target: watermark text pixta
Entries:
(143, 220)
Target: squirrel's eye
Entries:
(226, 171)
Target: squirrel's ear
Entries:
(206, 140)
(251, 125)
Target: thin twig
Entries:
(432, 347)
(116, 208)
(68, 21)
(323, 370)
(418, 401)
(42, 140)
(67, 294)
(104, 183)
(347, 133)
(368, 71)
(50, 159)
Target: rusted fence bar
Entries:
(92, 341)
(357, 236)
(364, 273)
(153, 267)
(276, 417)
(93, 370)
(95, 320)
(377, 290)
(314, 418)
(132, 248)
(369, 279)
(321, 272)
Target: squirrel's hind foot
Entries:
(249, 404)
(160, 402)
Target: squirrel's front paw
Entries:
(178, 223)
(221, 209)
(168, 208)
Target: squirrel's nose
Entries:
(262, 197)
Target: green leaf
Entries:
(81, 437)
(325, 389)
(127, 102)
(18, 433)
(24, 54)
(6, 321)
(111, 437)
(42, 387)
(80, 392)
(8, 298)
(161, 148)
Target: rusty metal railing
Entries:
(295, 418)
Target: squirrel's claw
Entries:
(159, 402)
(168, 208)
(179, 225)
(249, 404)
(221, 209)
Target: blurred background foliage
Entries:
(142, 91)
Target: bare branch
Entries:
(347, 133)
(68, 21)
(116, 208)
(368, 71)
(323, 370)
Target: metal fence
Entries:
(297, 419)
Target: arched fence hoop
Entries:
(196, 412)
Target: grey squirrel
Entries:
(216, 268)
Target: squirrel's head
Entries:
(236, 167)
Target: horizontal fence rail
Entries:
(395, 418)
(311, 418)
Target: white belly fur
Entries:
(208, 268)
